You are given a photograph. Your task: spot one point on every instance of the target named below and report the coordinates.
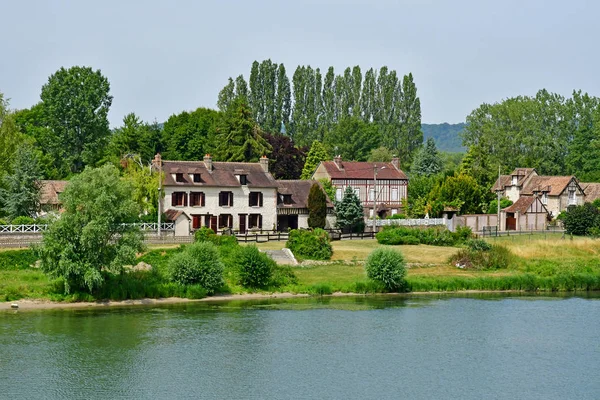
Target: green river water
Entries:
(430, 347)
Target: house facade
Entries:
(379, 184)
(219, 195)
(49, 195)
(238, 196)
(556, 193)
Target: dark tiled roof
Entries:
(591, 190)
(172, 215)
(49, 191)
(223, 174)
(299, 190)
(362, 170)
(554, 185)
(522, 171)
(501, 183)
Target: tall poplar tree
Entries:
(356, 89)
(226, 95)
(328, 99)
(368, 97)
(283, 104)
(409, 111)
(241, 87)
(256, 98)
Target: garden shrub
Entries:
(580, 219)
(254, 268)
(495, 257)
(17, 259)
(198, 263)
(463, 233)
(283, 275)
(312, 245)
(22, 220)
(205, 234)
(478, 245)
(388, 267)
(3, 222)
(435, 236)
(397, 216)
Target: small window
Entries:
(357, 192)
(243, 179)
(287, 199)
(515, 179)
(371, 213)
(255, 221)
(197, 178)
(197, 199)
(225, 199)
(371, 194)
(255, 199)
(338, 194)
(225, 221)
(179, 177)
(545, 198)
(179, 199)
(395, 194)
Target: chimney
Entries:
(208, 162)
(338, 161)
(264, 163)
(396, 162)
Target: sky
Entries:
(164, 57)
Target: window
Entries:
(371, 194)
(196, 221)
(243, 179)
(179, 177)
(179, 199)
(357, 192)
(197, 199)
(287, 199)
(395, 194)
(515, 180)
(255, 221)
(338, 194)
(545, 198)
(255, 199)
(371, 213)
(572, 199)
(225, 221)
(225, 199)
(197, 178)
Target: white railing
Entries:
(144, 226)
(411, 222)
(23, 228)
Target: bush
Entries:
(17, 259)
(496, 257)
(205, 234)
(388, 267)
(255, 268)
(399, 235)
(478, 245)
(580, 219)
(198, 263)
(312, 245)
(463, 233)
(397, 216)
(23, 221)
(3, 222)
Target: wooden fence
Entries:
(410, 222)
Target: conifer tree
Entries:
(21, 196)
(226, 95)
(427, 160)
(241, 87)
(349, 212)
(317, 207)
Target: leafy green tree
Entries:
(386, 116)
(198, 264)
(283, 104)
(349, 212)
(579, 220)
(328, 97)
(409, 112)
(368, 99)
(255, 268)
(287, 160)
(22, 194)
(269, 118)
(380, 154)
(317, 207)
(144, 184)
(353, 139)
(125, 139)
(238, 137)
(226, 95)
(188, 136)
(328, 188)
(10, 136)
(241, 88)
(90, 239)
(76, 103)
(427, 160)
(256, 100)
(493, 207)
(316, 154)
(461, 191)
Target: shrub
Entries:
(478, 245)
(17, 259)
(579, 219)
(23, 221)
(397, 216)
(198, 263)
(496, 257)
(205, 234)
(463, 233)
(312, 245)
(398, 235)
(3, 222)
(388, 267)
(255, 268)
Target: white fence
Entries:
(144, 226)
(411, 222)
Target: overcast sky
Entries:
(163, 57)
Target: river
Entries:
(429, 347)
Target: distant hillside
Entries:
(445, 135)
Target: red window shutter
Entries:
(202, 199)
(173, 198)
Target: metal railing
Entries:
(35, 228)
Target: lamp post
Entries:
(498, 190)
(159, 162)
(375, 196)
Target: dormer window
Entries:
(243, 179)
(197, 178)
(179, 177)
(545, 198)
(515, 179)
(287, 199)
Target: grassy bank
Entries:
(543, 263)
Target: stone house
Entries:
(236, 196)
(49, 193)
(556, 193)
(380, 184)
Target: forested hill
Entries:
(446, 136)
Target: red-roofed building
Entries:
(388, 193)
